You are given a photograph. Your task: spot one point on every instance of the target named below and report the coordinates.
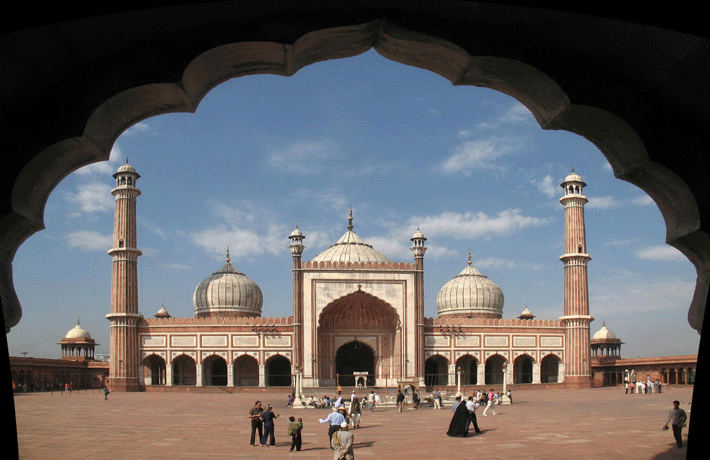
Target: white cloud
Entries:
(546, 186)
(480, 154)
(624, 242)
(89, 241)
(332, 198)
(92, 197)
(177, 267)
(603, 202)
(644, 200)
(518, 113)
(246, 228)
(660, 253)
(506, 264)
(477, 225)
(304, 158)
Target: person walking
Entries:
(371, 401)
(268, 417)
(489, 403)
(400, 401)
(294, 430)
(437, 398)
(342, 443)
(334, 420)
(355, 412)
(471, 406)
(416, 399)
(256, 423)
(106, 392)
(677, 418)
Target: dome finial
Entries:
(469, 257)
(350, 219)
(227, 254)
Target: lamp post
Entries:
(504, 399)
(298, 387)
(458, 381)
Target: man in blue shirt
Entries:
(334, 420)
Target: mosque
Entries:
(358, 319)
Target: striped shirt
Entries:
(676, 416)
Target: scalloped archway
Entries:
(540, 93)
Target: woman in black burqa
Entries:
(458, 427)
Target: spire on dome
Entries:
(350, 220)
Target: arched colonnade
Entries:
(440, 371)
(213, 370)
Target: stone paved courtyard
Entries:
(550, 424)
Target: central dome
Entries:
(470, 295)
(350, 248)
(227, 293)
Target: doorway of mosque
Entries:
(354, 357)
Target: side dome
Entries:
(78, 333)
(227, 293)
(470, 295)
(604, 334)
(350, 248)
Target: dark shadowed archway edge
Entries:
(639, 93)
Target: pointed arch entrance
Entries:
(368, 328)
(214, 371)
(354, 357)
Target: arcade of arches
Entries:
(214, 371)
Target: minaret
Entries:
(419, 249)
(124, 316)
(576, 319)
(297, 248)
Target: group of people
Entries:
(643, 387)
(465, 411)
(416, 399)
(341, 439)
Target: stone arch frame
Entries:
(541, 94)
(684, 230)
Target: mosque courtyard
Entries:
(552, 424)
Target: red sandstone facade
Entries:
(358, 319)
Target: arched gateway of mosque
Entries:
(358, 333)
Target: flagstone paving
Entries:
(551, 424)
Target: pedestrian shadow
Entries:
(363, 444)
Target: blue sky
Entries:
(469, 166)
